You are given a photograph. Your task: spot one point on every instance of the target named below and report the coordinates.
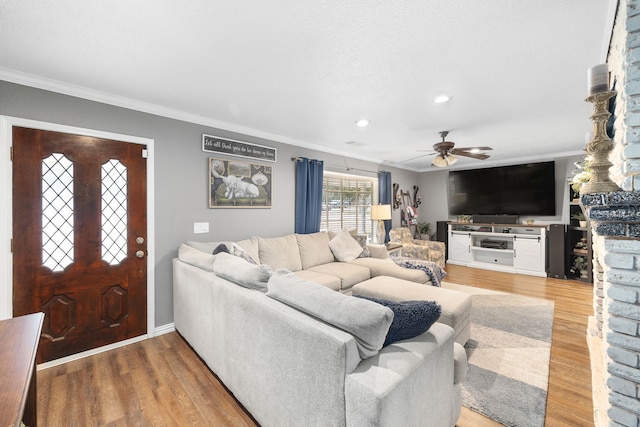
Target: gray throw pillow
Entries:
(366, 321)
(362, 241)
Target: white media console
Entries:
(514, 248)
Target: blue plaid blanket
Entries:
(432, 270)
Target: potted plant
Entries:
(425, 230)
(581, 176)
(581, 247)
(579, 216)
(579, 266)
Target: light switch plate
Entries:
(200, 227)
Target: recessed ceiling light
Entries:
(441, 99)
(474, 150)
(362, 123)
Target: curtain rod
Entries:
(293, 159)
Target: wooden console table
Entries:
(18, 399)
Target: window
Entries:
(346, 202)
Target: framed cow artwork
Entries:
(239, 185)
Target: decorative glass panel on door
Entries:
(114, 212)
(57, 212)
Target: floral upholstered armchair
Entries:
(418, 249)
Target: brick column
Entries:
(615, 221)
(615, 218)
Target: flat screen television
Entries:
(527, 189)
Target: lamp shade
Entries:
(442, 162)
(380, 212)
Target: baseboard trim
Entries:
(160, 330)
(164, 329)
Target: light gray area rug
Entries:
(508, 353)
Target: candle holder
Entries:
(600, 146)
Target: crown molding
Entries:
(56, 86)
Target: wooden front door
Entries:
(79, 239)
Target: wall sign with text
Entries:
(214, 144)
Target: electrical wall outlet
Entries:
(200, 227)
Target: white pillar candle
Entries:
(598, 77)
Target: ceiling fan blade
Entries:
(473, 148)
(417, 157)
(479, 156)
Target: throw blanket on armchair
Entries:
(433, 270)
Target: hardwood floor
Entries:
(161, 382)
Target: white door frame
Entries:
(6, 209)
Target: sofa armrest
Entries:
(378, 251)
(409, 383)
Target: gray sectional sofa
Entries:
(294, 352)
(310, 257)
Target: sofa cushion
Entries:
(366, 321)
(314, 249)
(349, 274)
(280, 252)
(410, 318)
(328, 280)
(387, 267)
(241, 272)
(196, 257)
(344, 246)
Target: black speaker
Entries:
(442, 235)
(557, 251)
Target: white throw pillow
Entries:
(344, 247)
(241, 272)
(367, 321)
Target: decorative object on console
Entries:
(464, 219)
(380, 213)
(239, 185)
(600, 146)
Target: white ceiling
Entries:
(302, 72)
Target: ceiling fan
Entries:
(446, 154)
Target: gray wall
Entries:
(181, 170)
